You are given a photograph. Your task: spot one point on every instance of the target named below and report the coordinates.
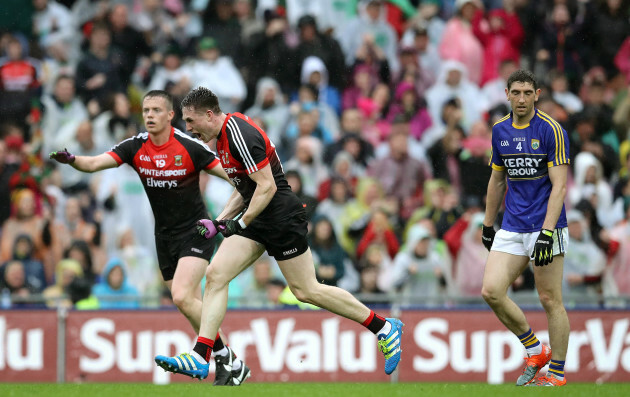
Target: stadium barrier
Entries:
(299, 346)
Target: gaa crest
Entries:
(178, 160)
(535, 144)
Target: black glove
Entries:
(487, 236)
(543, 249)
(228, 227)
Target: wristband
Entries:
(242, 224)
(547, 232)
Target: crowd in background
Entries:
(381, 112)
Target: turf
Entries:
(305, 389)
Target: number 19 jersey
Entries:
(526, 153)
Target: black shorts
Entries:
(284, 238)
(171, 249)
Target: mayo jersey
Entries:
(170, 176)
(526, 153)
(243, 149)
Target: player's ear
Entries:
(507, 93)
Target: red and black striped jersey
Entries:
(170, 176)
(245, 148)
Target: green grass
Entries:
(305, 389)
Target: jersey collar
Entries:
(227, 117)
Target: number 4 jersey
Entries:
(170, 176)
(526, 153)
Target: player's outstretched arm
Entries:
(84, 163)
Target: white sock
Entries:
(236, 365)
(532, 351)
(222, 352)
(198, 357)
(386, 329)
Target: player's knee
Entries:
(214, 279)
(181, 298)
(303, 294)
(490, 295)
(549, 301)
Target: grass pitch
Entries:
(306, 389)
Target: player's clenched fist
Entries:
(543, 248)
(208, 228)
(63, 156)
(487, 236)
(229, 227)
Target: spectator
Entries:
(314, 72)
(19, 83)
(375, 270)
(453, 83)
(219, 74)
(591, 185)
(445, 157)
(97, 74)
(13, 278)
(34, 274)
(327, 49)
(378, 230)
(140, 261)
(617, 273)
(464, 243)
(362, 83)
(459, 42)
(84, 144)
(7, 169)
(25, 220)
(271, 108)
(170, 75)
(474, 159)
(65, 272)
(501, 34)
(561, 94)
(269, 54)
(52, 23)
(333, 205)
(351, 140)
(63, 112)
(114, 290)
(411, 108)
(294, 179)
(427, 53)
(419, 271)
(160, 27)
(328, 254)
(401, 175)
(345, 169)
(115, 124)
(610, 27)
(308, 162)
(221, 23)
(562, 47)
(79, 251)
(129, 47)
(584, 263)
(441, 206)
(370, 29)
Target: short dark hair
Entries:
(202, 98)
(522, 76)
(160, 94)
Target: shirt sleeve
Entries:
(125, 151)
(556, 143)
(247, 145)
(496, 162)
